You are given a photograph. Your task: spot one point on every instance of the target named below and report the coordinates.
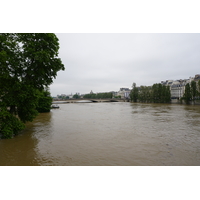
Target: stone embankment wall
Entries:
(197, 102)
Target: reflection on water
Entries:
(21, 150)
(108, 134)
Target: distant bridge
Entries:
(91, 100)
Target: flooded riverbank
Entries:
(108, 134)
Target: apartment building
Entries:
(177, 87)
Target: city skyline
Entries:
(108, 61)
(177, 88)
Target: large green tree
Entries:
(193, 90)
(198, 89)
(145, 94)
(157, 93)
(44, 101)
(134, 93)
(76, 96)
(161, 93)
(187, 95)
(28, 63)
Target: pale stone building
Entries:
(124, 93)
(177, 87)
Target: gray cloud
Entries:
(106, 62)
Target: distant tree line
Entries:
(105, 95)
(157, 93)
(61, 97)
(76, 96)
(192, 92)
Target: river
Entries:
(108, 134)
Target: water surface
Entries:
(108, 134)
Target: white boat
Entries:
(55, 106)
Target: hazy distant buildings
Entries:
(177, 87)
(124, 93)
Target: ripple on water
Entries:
(108, 134)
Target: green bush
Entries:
(9, 124)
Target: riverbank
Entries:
(173, 101)
(176, 101)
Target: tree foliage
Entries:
(44, 101)
(76, 96)
(161, 93)
(198, 87)
(157, 93)
(187, 95)
(134, 93)
(28, 63)
(192, 92)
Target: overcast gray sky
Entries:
(108, 61)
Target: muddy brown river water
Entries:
(108, 134)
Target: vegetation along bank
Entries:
(28, 64)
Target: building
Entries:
(177, 87)
(70, 96)
(124, 93)
(197, 77)
(114, 94)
